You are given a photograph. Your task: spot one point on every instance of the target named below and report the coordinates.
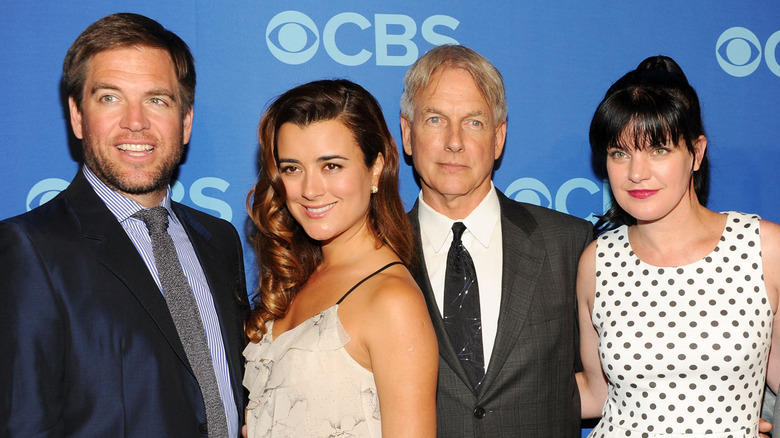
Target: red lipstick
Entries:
(642, 194)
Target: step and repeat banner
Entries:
(557, 59)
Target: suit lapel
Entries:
(201, 243)
(221, 286)
(446, 350)
(522, 261)
(114, 249)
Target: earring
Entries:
(374, 189)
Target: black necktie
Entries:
(186, 317)
(461, 307)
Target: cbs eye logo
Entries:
(292, 31)
(293, 37)
(738, 51)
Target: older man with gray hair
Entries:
(498, 275)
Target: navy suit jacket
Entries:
(529, 388)
(87, 345)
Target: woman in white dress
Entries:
(678, 304)
(341, 343)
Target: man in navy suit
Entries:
(453, 121)
(88, 345)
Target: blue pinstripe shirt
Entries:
(123, 208)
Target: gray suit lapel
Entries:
(522, 262)
(420, 274)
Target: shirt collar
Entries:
(481, 222)
(121, 207)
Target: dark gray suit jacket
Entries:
(529, 388)
(87, 345)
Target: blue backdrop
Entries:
(557, 58)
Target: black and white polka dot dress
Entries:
(684, 348)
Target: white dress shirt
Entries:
(482, 239)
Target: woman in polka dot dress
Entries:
(677, 302)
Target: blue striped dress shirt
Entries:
(123, 208)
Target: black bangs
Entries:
(637, 118)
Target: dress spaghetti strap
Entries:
(363, 280)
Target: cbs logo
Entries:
(293, 37)
(739, 52)
(533, 191)
(43, 191)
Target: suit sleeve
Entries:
(242, 304)
(588, 237)
(32, 340)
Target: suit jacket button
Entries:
(204, 428)
(479, 412)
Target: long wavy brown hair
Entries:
(286, 255)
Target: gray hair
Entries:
(486, 76)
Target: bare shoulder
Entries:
(586, 275)
(390, 296)
(389, 303)
(590, 250)
(770, 250)
(770, 236)
(386, 316)
(588, 259)
(394, 290)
